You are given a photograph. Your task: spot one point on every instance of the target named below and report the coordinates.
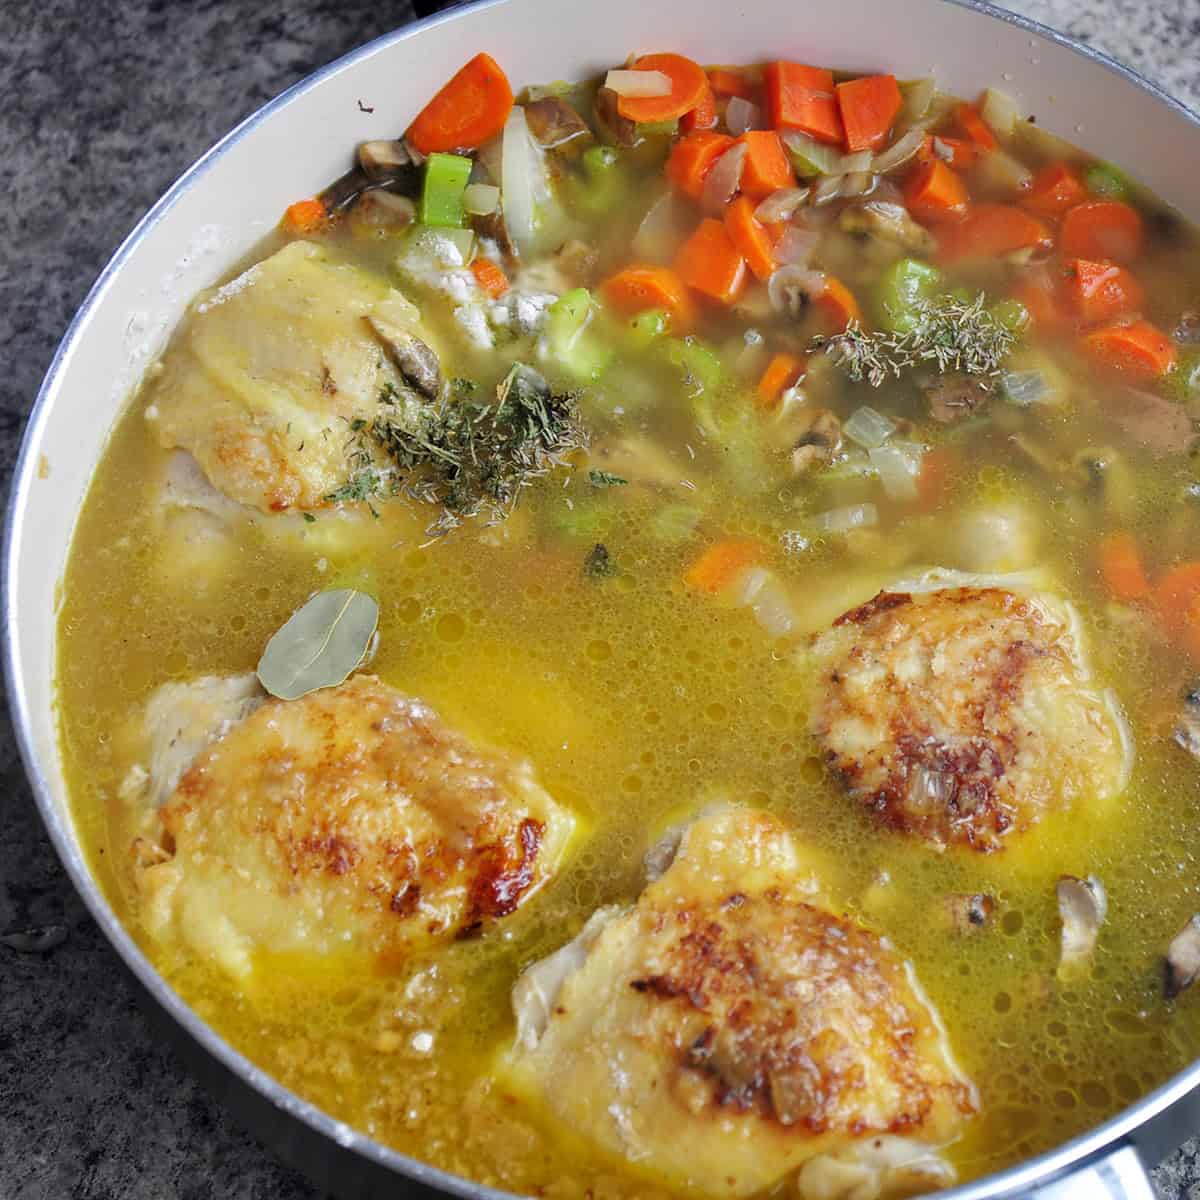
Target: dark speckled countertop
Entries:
(104, 105)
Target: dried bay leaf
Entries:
(320, 644)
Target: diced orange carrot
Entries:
(837, 305)
(766, 168)
(933, 481)
(1054, 189)
(490, 277)
(975, 127)
(730, 83)
(692, 157)
(1101, 291)
(751, 237)
(936, 193)
(1121, 567)
(688, 85)
(703, 116)
(1138, 351)
(636, 289)
(710, 263)
(782, 372)
(803, 98)
(1177, 601)
(1041, 298)
(868, 106)
(1102, 229)
(720, 565)
(954, 152)
(305, 216)
(469, 110)
(992, 230)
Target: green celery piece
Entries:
(699, 363)
(605, 184)
(1105, 181)
(572, 344)
(903, 285)
(446, 179)
(647, 327)
(658, 128)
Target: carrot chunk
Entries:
(1042, 301)
(1055, 188)
(868, 107)
(718, 567)
(837, 305)
(1121, 567)
(975, 127)
(936, 193)
(1102, 229)
(709, 262)
(692, 157)
(803, 98)
(305, 216)
(766, 168)
(1139, 351)
(782, 372)
(688, 84)
(1101, 291)
(990, 230)
(636, 289)
(469, 110)
(1177, 601)
(750, 237)
(490, 277)
(730, 83)
(703, 116)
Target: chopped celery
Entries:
(446, 179)
(665, 129)
(570, 342)
(1105, 181)
(1012, 314)
(900, 288)
(810, 157)
(445, 246)
(605, 182)
(599, 160)
(647, 327)
(699, 363)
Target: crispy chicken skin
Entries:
(730, 1028)
(351, 819)
(964, 714)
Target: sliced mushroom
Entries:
(1183, 959)
(954, 396)
(389, 162)
(414, 359)
(1187, 732)
(492, 226)
(1162, 426)
(1082, 905)
(819, 438)
(969, 913)
(613, 128)
(556, 126)
(891, 222)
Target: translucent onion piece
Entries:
(828, 189)
(860, 161)
(518, 165)
(999, 111)
(773, 609)
(853, 516)
(741, 116)
(1001, 172)
(780, 205)
(723, 180)
(791, 287)
(480, 199)
(660, 233)
(796, 246)
(638, 83)
(868, 428)
(899, 152)
(898, 468)
(823, 159)
(860, 183)
(918, 96)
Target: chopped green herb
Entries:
(950, 332)
(309, 519)
(599, 563)
(605, 479)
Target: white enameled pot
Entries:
(301, 141)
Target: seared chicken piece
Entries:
(270, 371)
(963, 714)
(350, 820)
(729, 1029)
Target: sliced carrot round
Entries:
(636, 289)
(468, 111)
(1138, 351)
(1102, 229)
(688, 85)
(992, 230)
(1177, 600)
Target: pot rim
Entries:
(1020, 1178)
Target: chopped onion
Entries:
(999, 111)
(723, 180)
(868, 428)
(1024, 388)
(761, 591)
(480, 199)
(780, 205)
(898, 465)
(809, 156)
(749, 583)
(741, 116)
(1002, 173)
(899, 152)
(638, 83)
(828, 189)
(859, 183)
(795, 247)
(518, 166)
(861, 161)
(791, 287)
(659, 234)
(918, 96)
(853, 516)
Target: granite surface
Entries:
(103, 106)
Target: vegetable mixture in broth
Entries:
(649, 642)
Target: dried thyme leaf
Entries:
(320, 644)
(605, 479)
